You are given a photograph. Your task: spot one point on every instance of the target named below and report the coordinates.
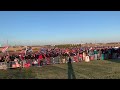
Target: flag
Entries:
(4, 49)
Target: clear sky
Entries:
(57, 27)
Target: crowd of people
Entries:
(46, 56)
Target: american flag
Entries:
(4, 49)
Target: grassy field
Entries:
(106, 69)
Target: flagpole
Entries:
(8, 47)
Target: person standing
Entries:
(99, 54)
(40, 62)
(102, 54)
(87, 59)
(96, 54)
(84, 55)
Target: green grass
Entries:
(101, 69)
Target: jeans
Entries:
(96, 56)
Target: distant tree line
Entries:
(68, 45)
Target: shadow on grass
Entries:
(71, 74)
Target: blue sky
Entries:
(57, 27)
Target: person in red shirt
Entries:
(40, 60)
(81, 56)
(75, 58)
(22, 57)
